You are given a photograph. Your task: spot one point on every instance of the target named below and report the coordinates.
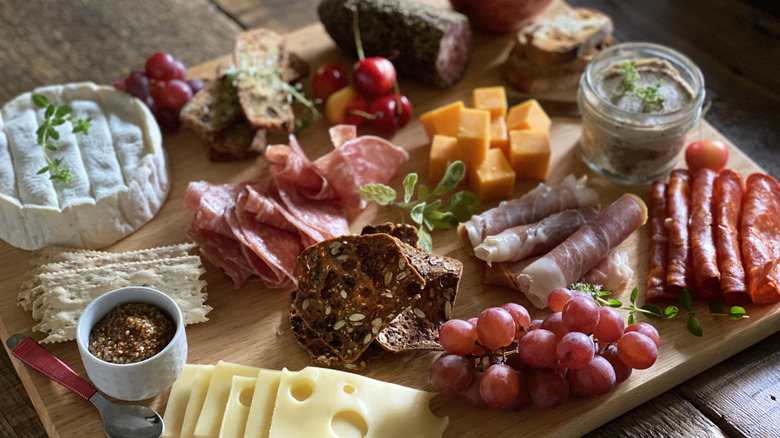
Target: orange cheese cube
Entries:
(529, 153)
(442, 120)
(492, 99)
(444, 150)
(498, 135)
(473, 136)
(494, 178)
(528, 115)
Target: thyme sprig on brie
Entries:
(649, 95)
(56, 115)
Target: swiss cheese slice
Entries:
(214, 405)
(119, 175)
(325, 403)
(200, 387)
(261, 411)
(179, 398)
(237, 409)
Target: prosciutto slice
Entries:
(659, 245)
(727, 202)
(570, 260)
(704, 256)
(537, 238)
(679, 269)
(760, 229)
(535, 205)
(359, 161)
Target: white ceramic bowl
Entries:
(139, 380)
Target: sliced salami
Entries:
(706, 274)
(727, 202)
(760, 229)
(290, 164)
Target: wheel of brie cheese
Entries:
(119, 175)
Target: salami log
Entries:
(727, 205)
(760, 229)
(706, 274)
(679, 270)
(659, 245)
(570, 260)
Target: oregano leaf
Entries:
(634, 294)
(379, 193)
(409, 182)
(630, 319)
(686, 301)
(417, 211)
(452, 177)
(614, 303)
(694, 326)
(737, 312)
(40, 100)
(424, 240)
(652, 309)
(670, 312)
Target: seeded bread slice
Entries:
(404, 232)
(563, 38)
(260, 56)
(212, 109)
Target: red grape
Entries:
(581, 314)
(328, 79)
(536, 323)
(596, 378)
(119, 84)
(161, 66)
(174, 94)
(523, 399)
(548, 389)
(537, 348)
(451, 374)
(610, 326)
(137, 84)
(471, 393)
(457, 337)
(646, 329)
(195, 85)
(554, 323)
(373, 76)
(558, 298)
(516, 362)
(499, 386)
(622, 371)
(388, 117)
(181, 71)
(575, 350)
(637, 350)
(168, 118)
(574, 389)
(519, 314)
(495, 328)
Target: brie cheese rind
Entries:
(119, 174)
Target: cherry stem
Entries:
(356, 31)
(365, 114)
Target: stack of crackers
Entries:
(248, 100)
(64, 281)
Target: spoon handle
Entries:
(31, 353)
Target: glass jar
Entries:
(625, 137)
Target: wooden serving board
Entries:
(250, 325)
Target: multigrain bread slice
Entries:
(261, 62)
(213, 108)
(563, 38)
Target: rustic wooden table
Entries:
(735, 42)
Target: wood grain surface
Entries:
(744, 107)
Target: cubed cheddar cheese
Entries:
(473, 136)
(444, 150)
(442, 120)
(492, 99)
(498, 135)
(529, 153)
(528, 115)
(494, 178)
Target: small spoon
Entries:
(119, 421)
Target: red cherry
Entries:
(328, 79)
(161, 66)
(344, 107)
(373, 76)
(389, 117)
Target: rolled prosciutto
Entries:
(659, 245)
(706, 274)
(760, 229)
(570, 260)
(727, 205)
(679, 269)
(523, 241)
(535, 205)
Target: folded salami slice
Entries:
(523, 241)
(659, 245)
(679, 269)
(570, 260)
(727, 203)
(706, 274)
(535, 205)
(760, 230)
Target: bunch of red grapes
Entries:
(504, 360)
(163, 87)
(373, 95)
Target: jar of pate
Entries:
(638, 101)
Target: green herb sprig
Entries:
(649, 94)
(425, 211)
(55, 116)
(685, 302)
